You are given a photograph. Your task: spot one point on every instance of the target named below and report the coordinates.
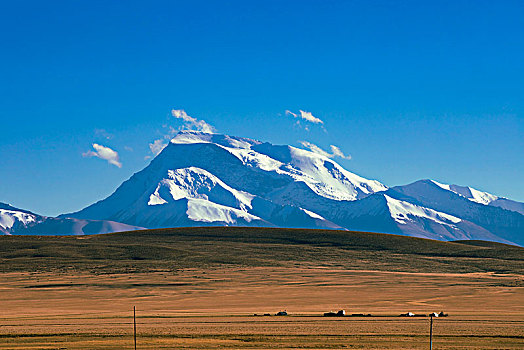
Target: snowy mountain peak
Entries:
(469, 193)
(190, 136)
(9, 218)
(203, 177)
(480, 197)
(322, 175)
(6, 206)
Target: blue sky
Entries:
(410, 89)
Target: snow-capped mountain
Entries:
(204, 179)
(505, 224)
(380, 212)
(23, 222)
(483, 197)
(210, 179)
(221, 180)
(12, 218)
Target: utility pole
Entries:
(430, 331)
(134, 324)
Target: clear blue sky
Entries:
(411, 89)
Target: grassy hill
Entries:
(172, 249)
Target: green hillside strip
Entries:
(171, 249)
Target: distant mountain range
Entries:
(23, 222)
(203, 179)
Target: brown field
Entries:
(199, 289)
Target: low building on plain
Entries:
(340, 313)
(407, 314)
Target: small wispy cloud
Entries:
(335, 151)
(191, 123)
(308, 116)
(106, 153)
(157, 146)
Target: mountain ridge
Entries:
(202, 179)
(14, 221)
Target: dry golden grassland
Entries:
(199, 289)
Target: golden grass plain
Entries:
(66, 303)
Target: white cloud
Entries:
(338, 153)
(157, 146)
(191, 123)
(315, 149)
(310, 118)
(105, 153)
(288, 112)
(335, 151)
(306, 116)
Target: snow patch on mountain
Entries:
(196, 183)
(209, 199)
(313, 215)
(401, 212)
(205, 211)
(8, 219)
(189, 137)
(256, 160)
